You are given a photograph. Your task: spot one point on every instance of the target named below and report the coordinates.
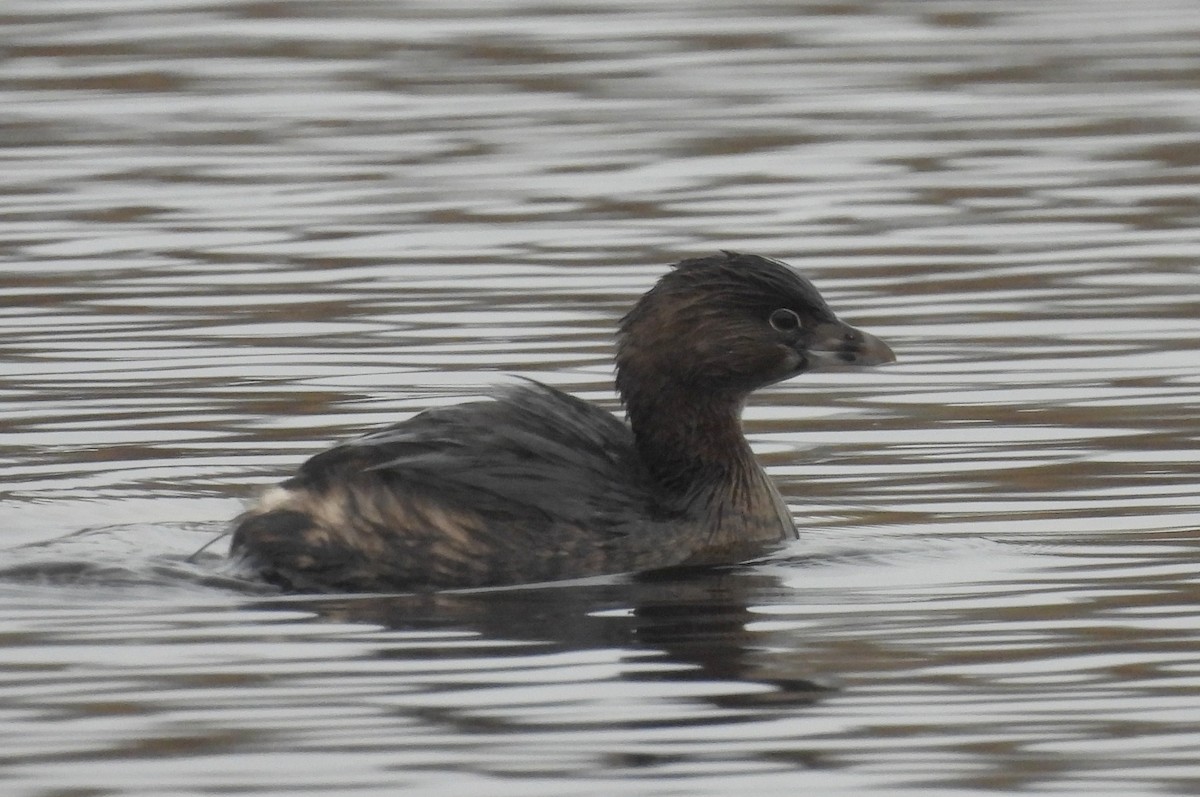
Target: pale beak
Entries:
(834, 344)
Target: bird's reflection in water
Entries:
(692, 624)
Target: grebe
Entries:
(535, 485)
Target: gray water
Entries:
(234, 232)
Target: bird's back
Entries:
(532, 485)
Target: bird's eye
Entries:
(784, 320)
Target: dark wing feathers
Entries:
(530, 449)
(532, 485)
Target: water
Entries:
(234, 232)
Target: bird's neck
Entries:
(693, 445)
(698, 457)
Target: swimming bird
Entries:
(534, 485)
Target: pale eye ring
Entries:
(784, 320)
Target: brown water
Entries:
(235, 231)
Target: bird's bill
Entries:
(836, 344)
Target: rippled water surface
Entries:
(234, 232)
